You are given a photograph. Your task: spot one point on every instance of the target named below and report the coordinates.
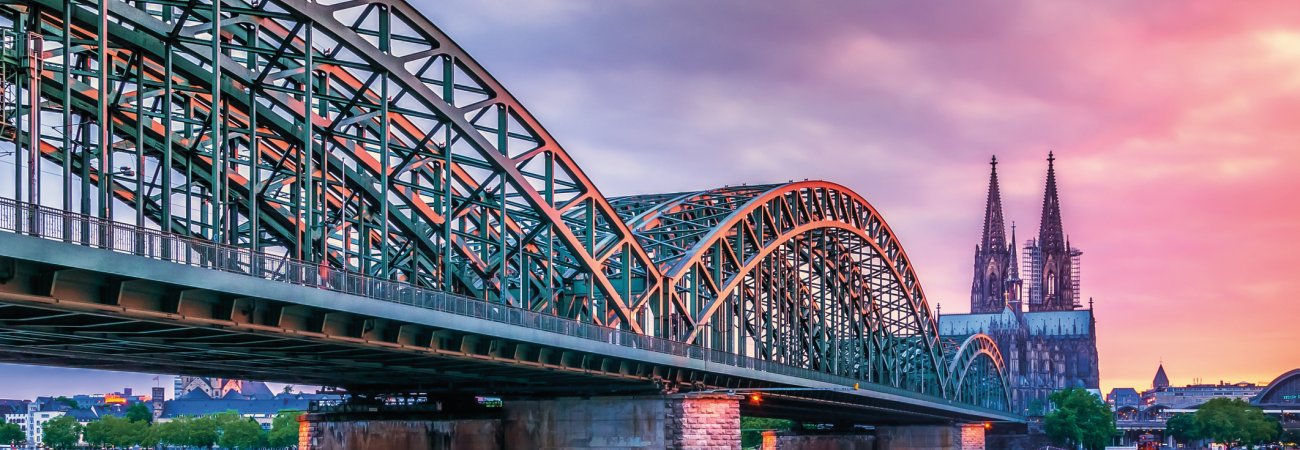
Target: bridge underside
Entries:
(71, 306)
(334, 192)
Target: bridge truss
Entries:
(356, 136)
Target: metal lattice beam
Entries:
(356, 136)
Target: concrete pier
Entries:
(675, 422)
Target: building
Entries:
(1283, 393)
(218, 387)
(1123, 397)
(248, 398)
(31, 416)
(1162, 395)
(1050, 343)
(1163, 399)
(38, 413)
(1281, 398)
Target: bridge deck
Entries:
(126, 308)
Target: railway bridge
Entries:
(333, 192)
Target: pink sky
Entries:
(1176, 126)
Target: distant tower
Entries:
(157, 403)
(1161, 380)
(989, 288)
(1053, 285)
(1014, 284)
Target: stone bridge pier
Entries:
(678, 422)
(912, 437)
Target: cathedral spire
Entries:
(989, 286)
(1051, 236)
(1014, 283)
(995, 233)
(1014, 272)
(1053, 288)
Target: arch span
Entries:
(979, 376)
(356, 135)
(805, 271)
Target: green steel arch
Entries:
(357, 136)
(806, 273)
(979, 376)
(351, 133)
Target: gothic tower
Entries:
(1014, 284)
(990, 286)
(1054, 277)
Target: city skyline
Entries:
(1168, 121)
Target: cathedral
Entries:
(1048, 340)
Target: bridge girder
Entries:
(855, 309)
(359, 137)
(979, 375)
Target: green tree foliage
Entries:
(240, 433)
(116, 431)
(189, 432)
(1183, 428)
(11, 433)
(752, 428)
(1233, 421)
(139, 412)
(1080, 418)
(284, 429)
(98, 433)
(62, 433)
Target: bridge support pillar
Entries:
(675, 422)
(944, 437)
(669, 422)
(847, 441)
(397, 431)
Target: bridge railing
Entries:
(80, 229)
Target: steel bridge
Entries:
(334, 192)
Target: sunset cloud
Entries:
(1174, 124)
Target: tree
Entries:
(139, 412)
(242, 434)
(170, 433)
(116, 431)
(11, 434)
(98, 433)
(1233, 421)
(752, 428)
(1080, 418)
(1183, 428)
(189, 432)
(62, 433)
(284, 429)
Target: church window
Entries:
(992, 286)
(1051, 284)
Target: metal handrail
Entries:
(56, 224)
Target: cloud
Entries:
(1173, 123)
